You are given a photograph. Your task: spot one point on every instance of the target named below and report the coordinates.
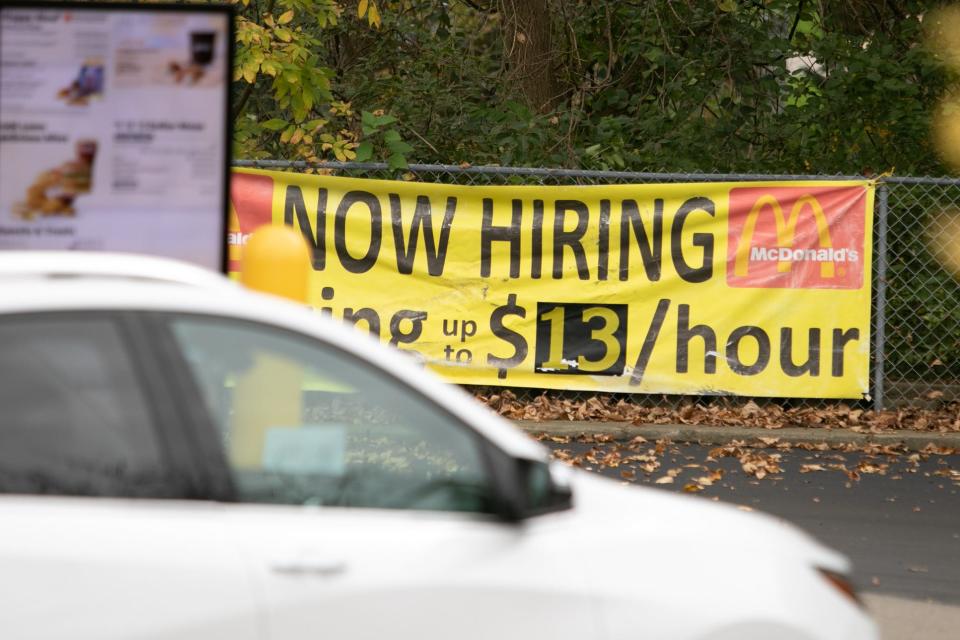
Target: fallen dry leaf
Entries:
(866, 467)
(612, 459)
(944, 417)
(750, 409)
(759, 464)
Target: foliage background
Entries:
(787, 86)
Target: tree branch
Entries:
(796, 20)
(476, 7)
(242, 102)
(424, 140)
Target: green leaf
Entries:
(399, 146)
(366, 126)
(805, 26)
(285, 17)
(364, 151)
(397, 161)
(274, 124)
(371, 123)
(653, 54)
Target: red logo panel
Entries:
(796, 237)
(251, 200)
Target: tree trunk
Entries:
(528, 49)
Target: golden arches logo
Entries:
(786, 231)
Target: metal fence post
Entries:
(880, 319)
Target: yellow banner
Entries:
(746, 288)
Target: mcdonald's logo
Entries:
(796, 237)
(251, 205)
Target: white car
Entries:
(180, 458)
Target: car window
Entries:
(305, 423)
(73, 417)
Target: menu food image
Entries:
(113, 129)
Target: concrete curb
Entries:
(704, 434)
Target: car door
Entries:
(365, 510)
(96, 541)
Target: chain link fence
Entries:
(915, 298)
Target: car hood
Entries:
(688, 522)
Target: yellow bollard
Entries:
(276, 260)
(269, 395)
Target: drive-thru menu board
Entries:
(114, 128)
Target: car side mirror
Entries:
(542, 487)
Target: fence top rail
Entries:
(583, 173)
(928, 180)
